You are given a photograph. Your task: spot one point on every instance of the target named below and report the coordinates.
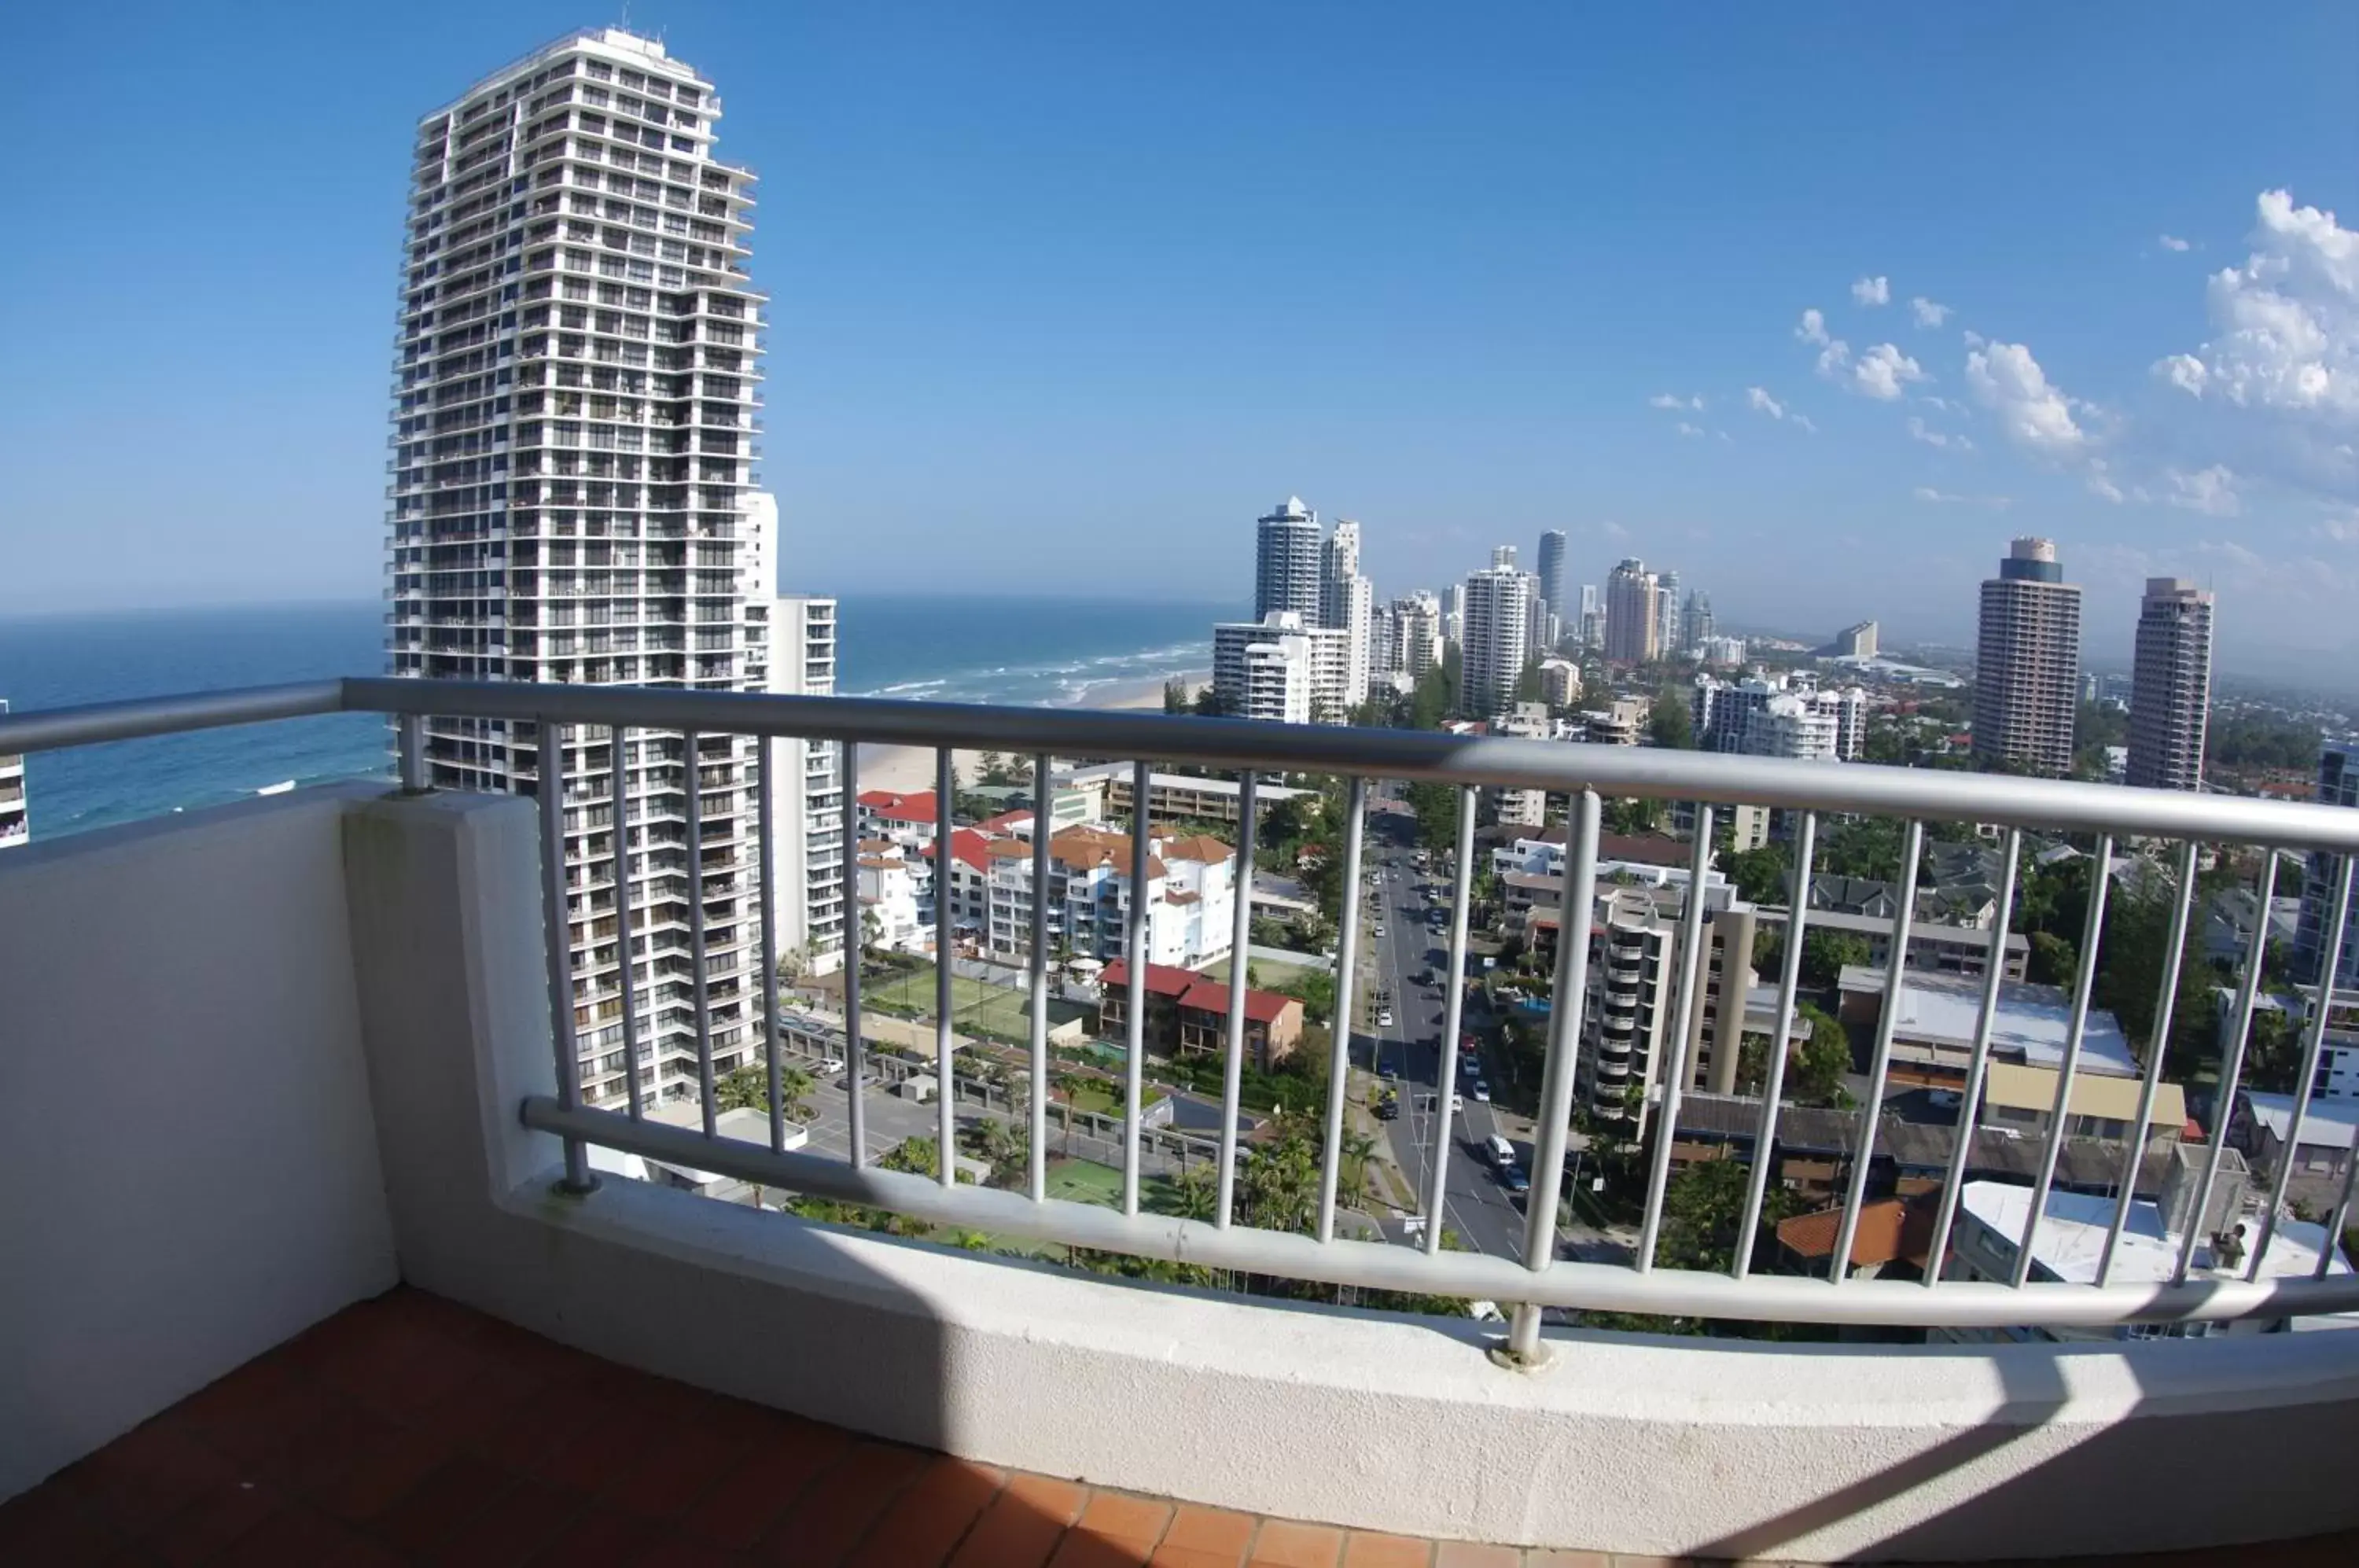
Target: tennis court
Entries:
(977, 1007)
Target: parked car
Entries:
(1514, 1181)
(1383, 1018)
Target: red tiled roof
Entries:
(968, 845)
(1007, 822)
(1213, 997)
(1202, 847)
(1162, 979)
(1648, 850)
(894, 807)
(1889, 1228)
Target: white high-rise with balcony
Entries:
(575, 382)
(1288, 573)
(1499, 605)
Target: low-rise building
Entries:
(1621, 723)
(1560, 682)
(1188, 1014)
(2263, 1129)
(1934, 947)
(1779, 715)
(890, 918)
(2022, 1100)
(1170, 796)
(2069, 1242)
(1190, 907)
(1933, 1033)
(908, 817)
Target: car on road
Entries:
(1380, 928)
(1388, 1107)
(1481, 1091)
(1457, 1104)
(1383, 1018)
(1498, 1151)
(1943, 1100)
(1514, 1180)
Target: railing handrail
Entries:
(1651, 773)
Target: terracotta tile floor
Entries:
(407, 1430)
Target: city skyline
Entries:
(2120, 364)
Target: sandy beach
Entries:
(911, 767)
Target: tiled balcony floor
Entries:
(407, 1430)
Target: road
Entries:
(1416, 943)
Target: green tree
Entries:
(1436, 807)
(1825, 952)
(1175, 696)
(2053, 960)
(1864, 846)
(1670, 722)
(748, 1089)
(1702, 1207)
(1760, 874)
(1816, 1075)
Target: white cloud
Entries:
(2034, 414)
(2287, 322)
(1919, 431)
(1931, 497)
(1975, 339)
(2212, 490)
(1688, 429)
(1926, 313)
(2100, 485)
(1673, 400)
(1802, 422)
(1882, 371)
(2170, 242)
(1833, 357)
(1758, 399)
(2342, 527)
(1813, 328)
(1872, 291)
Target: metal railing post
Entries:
(1136, 934)
(1675, 1071)
(1896, 977)
(1978, 1062)
(1445, 1080)
(1234, 1053)
(856, 947)
(1339, 1053)
(2306, 1082)
(1765, 1139)
(620, 794)
(767, 828)
(1036, 1150)
(548, 787)
(1566, 1005)
(945, 946)
(2076, 1029)
(2157, 1045)
(2233, 1071)
(699, 959)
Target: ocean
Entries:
(1032, 652)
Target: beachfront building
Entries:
(15, 819)
(575, 381)
(790, 651)
(1191, 895)
(1106, 793)
(1283, 669)
(892, 919)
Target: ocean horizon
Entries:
(1026, 651)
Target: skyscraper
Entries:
(1633, 627)
(1554, 587)
(1668, 640)
(1286, 562)
(2028, 662)
(790, 650)
(2338, 785)
(1347, 603)
(1695, 621)
(2170, 693)
(1497, 615)
(574, 407)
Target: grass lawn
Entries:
(977, 1006)
(1271, 975)
(1086, 1181)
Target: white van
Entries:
(1502, 1152)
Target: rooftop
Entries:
(2332, 1122)
(2031, 1021)
(2072, 1237)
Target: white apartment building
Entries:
(574, 391)
(790, 650)
(15, 821)
(1287, 561)
(1190, 908)
(1283, 667)
(1790, 716)
(1560, 682)
(891, 917)
(1497, 601)
(1347, 603)
(1417, 621)
(2170, 693)
(1523, 807)
(1633, 623)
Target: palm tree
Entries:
(1358, 1149)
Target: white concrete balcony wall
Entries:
(185, 1026)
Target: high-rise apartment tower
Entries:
(2171, 690)
(2028, 662)
(1287, 573)
(1498, 615)
(1555, 586)
(575, 377)
(1633, 625)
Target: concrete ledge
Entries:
(1629, 1444)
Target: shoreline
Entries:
(907, 769)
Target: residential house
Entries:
(1187, 1014)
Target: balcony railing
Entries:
(1541, 1278)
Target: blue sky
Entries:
(1066, 295)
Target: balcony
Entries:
(362, 1279)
